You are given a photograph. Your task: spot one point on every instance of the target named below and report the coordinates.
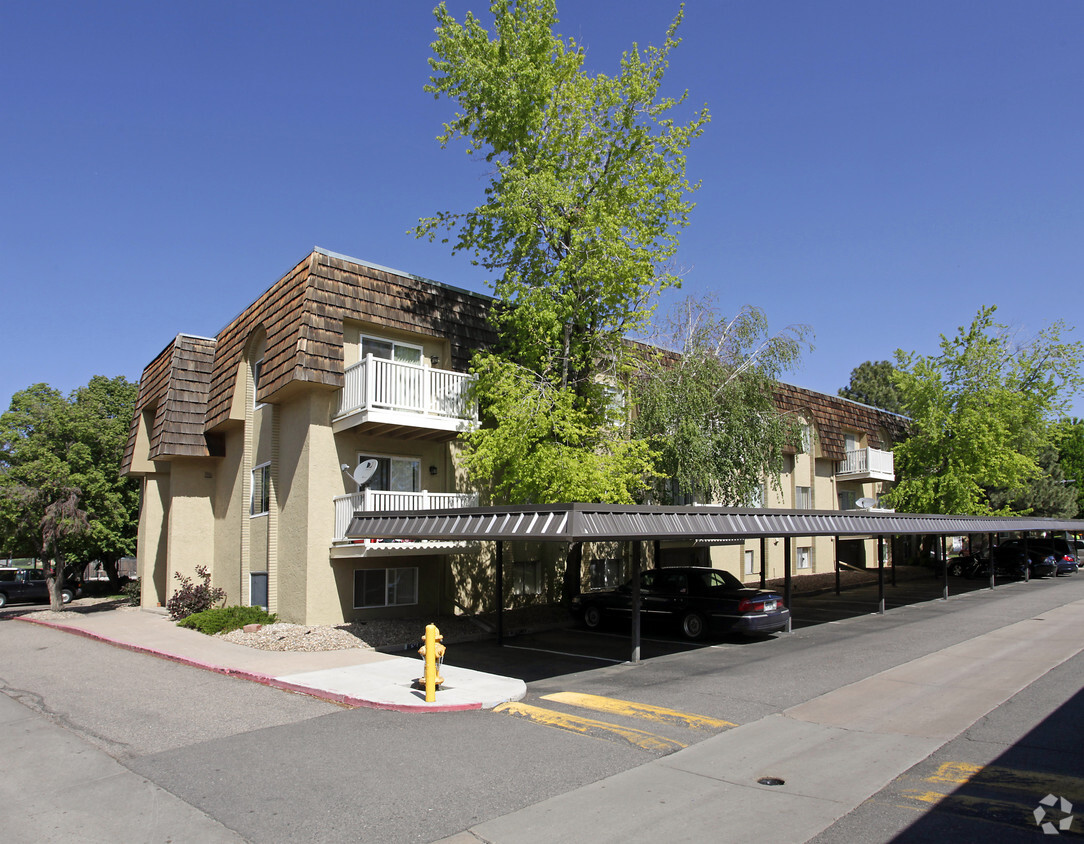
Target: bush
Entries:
(225, 619)
(130, 591)
(194, 597)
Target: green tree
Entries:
(61, 497)
(709, 411)
(1070, 439)
(1046, 494)
(588, 195)
(872, 383)
(980, 415)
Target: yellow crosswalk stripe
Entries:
(1014, 779)
(590, 727)
(627, 708)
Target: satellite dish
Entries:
(866, 503)
(364, 473)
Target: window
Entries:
(257, 371)
(605, 573)
(257, 589)
(803, 498)
(750, 562)
(394, 474)
(756, 497)
(850, 443)
(385, 587)
(390, 350)
(807, 438)
(803, 557)
(527, 577)
(847, 498)
(261, 490)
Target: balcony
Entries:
(405, 400)
(376, 500)
(867, 464)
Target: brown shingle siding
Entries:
(834, 415)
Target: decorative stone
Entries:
(251, 628)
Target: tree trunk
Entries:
(56, 583)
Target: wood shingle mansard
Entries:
(240, 442)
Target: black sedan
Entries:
(697, 599)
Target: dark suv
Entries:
(1040, 561)
(27, 586)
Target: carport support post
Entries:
(835, 545)
(500, 593)
(763, 562)
(881, 573)
(1027, 558)
(990, 548)
(635, 657)
(944, 567)
(787, 580)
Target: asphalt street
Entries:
(270, 766)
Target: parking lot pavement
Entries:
(807, 766)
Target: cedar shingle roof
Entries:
(833, 415)
(174, 386)
(190, 384)
(302, 315)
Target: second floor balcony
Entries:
(404, 399)
(867, 464)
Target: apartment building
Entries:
(247, 445)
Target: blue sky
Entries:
(876, 170)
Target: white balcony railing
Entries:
(871, 463)
(376, 385)
(376, 500)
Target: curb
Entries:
(262, 679)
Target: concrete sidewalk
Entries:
(352, 677)
(830, 753)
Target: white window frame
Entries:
(263, 472)
(803, 497)
(391, 587)
(803, 557)
(394, 344)
(605, 572)
(848, 496)
(750, 562)
(406, 458)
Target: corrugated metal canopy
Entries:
(601, 522)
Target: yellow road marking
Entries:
(638, 710)
(590, 727)
(1014, 779)
(1019, 815)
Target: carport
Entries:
(578, 523)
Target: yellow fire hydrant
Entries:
(433, 652)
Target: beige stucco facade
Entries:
(240, 442)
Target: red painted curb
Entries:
(262, 679)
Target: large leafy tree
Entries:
(709, 410)
(61, 497)
(1045, 494)
(1070, 439)
(587, 197)
(873, 383)
(981, 413)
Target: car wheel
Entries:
(3, 600)
(692, 626)
(592, 617)
(66, 596)
(956, 570)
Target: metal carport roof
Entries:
(600, 522)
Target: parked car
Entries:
(1039, 563)
(1008, 566)
(1064, 553)
(28, 586)
(696, 598)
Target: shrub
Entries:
(194, 597)
(130, 591)
(225, 619)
